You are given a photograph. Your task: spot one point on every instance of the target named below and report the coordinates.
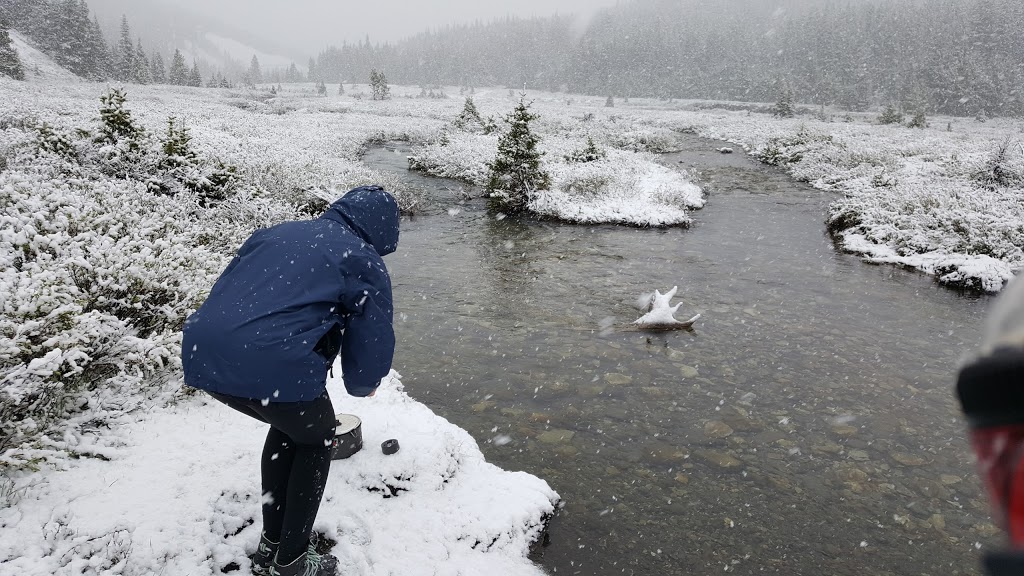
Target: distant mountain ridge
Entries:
(214, 44)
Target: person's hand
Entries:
(370, 395)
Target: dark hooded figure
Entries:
(295, 296)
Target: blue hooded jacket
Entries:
(294, 296)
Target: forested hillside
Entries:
(942, 56)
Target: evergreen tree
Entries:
(321, 88)
(69, 35)
(313, 73)
(157, 68)
(891, 115)
(141, 73)
(124, 54)
(178, 73)
(470, 118)
(610, 102)
(10, 64)
(516, 174)
(379, 85)
(98, 53)
(341, 88)
(116, 122)
(784, 105)
(195, 79)
(254, 76)
(292, 75)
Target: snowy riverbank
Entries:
(176, 491)
(922, 198)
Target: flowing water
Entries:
(807, 425)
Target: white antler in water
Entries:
(661, 314)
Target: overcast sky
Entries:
(311, 25)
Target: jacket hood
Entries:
(372, 213)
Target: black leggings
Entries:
(296, 459)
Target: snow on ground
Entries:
(178, 492)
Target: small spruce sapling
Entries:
(891, 115)
(116, 122)
(590, 153)
(516, 173)
(784, 107)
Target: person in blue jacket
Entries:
(294, 296)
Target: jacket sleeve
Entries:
(368, 341)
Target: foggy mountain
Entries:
(163, 26)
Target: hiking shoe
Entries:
(263, 556)
(311, 564)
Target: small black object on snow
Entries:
(389, 447)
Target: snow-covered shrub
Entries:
(54, 142)
(642, 139)
(891, 115)
(471, 120)
(98, 278)
(178, 168)
(1005, 168)
(784, 107)
(589, 153)
(918, 120)
(460, 156)
(624, 188)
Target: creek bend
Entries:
(806, 426)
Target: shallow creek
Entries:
(807, 425)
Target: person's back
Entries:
(295, 296)
(271, 326)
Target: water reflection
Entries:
(806, 426)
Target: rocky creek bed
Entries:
(806, 426)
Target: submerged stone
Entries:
(688, 371)
(908, 459)
(721, 459)
(617, 379)
(717, 429)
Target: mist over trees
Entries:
(64, 30)
(962, 57)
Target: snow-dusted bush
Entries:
(623, 188)
(462, 156)
(1005, 168)
(97, 278)
(891, 115)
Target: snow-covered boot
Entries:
(310, 564)
(264, 556)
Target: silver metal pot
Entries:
(348, 436)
